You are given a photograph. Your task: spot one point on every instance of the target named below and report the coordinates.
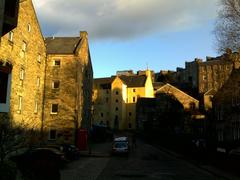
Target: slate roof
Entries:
(61, 45)
(130, 81)
(104, 83)
(103, 80)
(157, 85)
(134, 81)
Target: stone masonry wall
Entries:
(32, 62)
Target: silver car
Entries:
(120, 146)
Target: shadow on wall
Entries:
(110, 107)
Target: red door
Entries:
(82, 139)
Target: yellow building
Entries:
(115, 99)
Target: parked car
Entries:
(235, 152)
(120, 146)
(71, 151)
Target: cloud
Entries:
(122, 19)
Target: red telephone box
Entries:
(82, 139)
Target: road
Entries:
(144, 162)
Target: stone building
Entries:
(226, 108)
(171, 109)
(115, 99)
(203, 76)
(68, 87)
(188, 102)
(8, 15)
(22, 68)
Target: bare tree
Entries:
(14, 137)
(227, 28)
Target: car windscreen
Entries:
(120, 144)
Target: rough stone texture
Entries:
(186, 100)
(12, 53)
(226, 105)
(210, 74)
(74, 95)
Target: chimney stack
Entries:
(83, 34)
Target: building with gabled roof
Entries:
(8, 15)
(22, 67)
(68, 89)
(115, 99)
(186, 100)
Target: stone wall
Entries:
(31, 62)
(74, 95)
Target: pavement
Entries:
(208, 168)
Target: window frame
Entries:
(24, 47)
(20, 99)
(56, 60)
(52, 108)
(21, 75)
(53, 84)
(38, 82)
(36, 107)
(10, 36)
(39, 58)
(55, 134)
(29, 28)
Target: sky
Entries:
(134, 34)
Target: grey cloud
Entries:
(122, 19)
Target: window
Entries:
(56, 62)
(134, 90)
(36, 106)
(204, 77)
(10, 36)
(52, 134)
(130, 114)
(38, 82)
(3, 85)
(19, 103)
(24, 46)
(116, 100)
(29, 28)
(116, 108)
(39, 58)
(116, 92)
(9, 10)
(21, 76)
(106, 99)
(129, 125)
(55, 84)
(54, 109)
(134, 99)
(101, 114)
